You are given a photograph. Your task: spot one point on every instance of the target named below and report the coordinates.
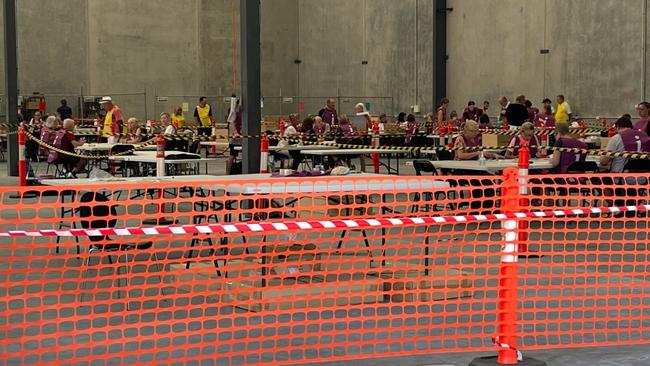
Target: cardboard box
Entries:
(491, 140)
(359, 260)
(276, 293)
(439, 284)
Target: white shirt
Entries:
(290, 131)
(170, 130)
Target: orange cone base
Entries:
(492, 361)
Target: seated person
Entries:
(526, 133)
(563, 160)
(348, 135)
(133, 131)
(470, 138)
(166, 123)
(484, 122)
(320, 128)
(48, 132)
(411, 128)
(69, 143)
(627, 140)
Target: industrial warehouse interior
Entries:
(325, 182)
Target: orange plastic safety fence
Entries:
(311, 295)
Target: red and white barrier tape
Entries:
(310, 225)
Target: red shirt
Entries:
(66, 142)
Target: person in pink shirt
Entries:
(643, 109)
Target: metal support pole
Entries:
(440, 52)
(11, 82)
(250, 84)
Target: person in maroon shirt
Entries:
(563, 160)
(69, 143)
(643, 109)
(471, 113)
(470, 138)
(441, 112)
(532, 111)
(526, 133)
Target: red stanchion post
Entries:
(160, 156)
(375, 143)
(22, 162)
(506, 339)
(264, 155)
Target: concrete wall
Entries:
(394, 37)
(595, 54)
(182, 49)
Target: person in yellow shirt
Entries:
(564, 113)
(178, 119)
(203, 117)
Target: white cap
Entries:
(106, 100)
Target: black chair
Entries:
(637, 166)
(582, 167)
(121, 167)
(176, 145)
(195, 147)
(100, 216)
(181, 169)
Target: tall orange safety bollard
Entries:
(523, 165)
(22, 162)
(160, 156)
(506, 338)
(264, 155)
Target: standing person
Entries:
(532, 111)
(178, 118)
(486, 107)
(504, 103)
(564, 113)
(203, 117)
(643, 109)
(329, 114)
(441, 112)
(113, 122)
(234, 134)
(526, 133)
(516, 113)
(471, 112)
(548, 102)
(627, 140)
(563, 160)
(545, 118)
(64, 111)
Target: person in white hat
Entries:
(113, 122)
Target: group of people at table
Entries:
(629, 138)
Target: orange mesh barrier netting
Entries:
(339, 275)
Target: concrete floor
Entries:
(607, 356)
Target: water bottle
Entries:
(481, 159)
